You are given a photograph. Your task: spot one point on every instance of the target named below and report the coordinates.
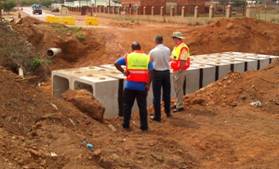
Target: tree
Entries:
(8, 5)
(1, 7)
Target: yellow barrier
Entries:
(52, 19)
(91, 21)
(67, 20)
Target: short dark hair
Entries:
(136, 46)
(159, 39)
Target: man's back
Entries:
(160, 56)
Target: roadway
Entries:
(28, 11)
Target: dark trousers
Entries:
(129, 98)
(161, 80)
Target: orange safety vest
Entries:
(137, 67)
(175, 57)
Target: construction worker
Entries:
(160, 56)
(180, 62)
(138, 73)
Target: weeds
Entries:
(64, 29)
(81, 37)
(16, 52)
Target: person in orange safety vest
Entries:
(138, 79)
(180, 62)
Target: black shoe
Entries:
(178, 110)
(169, 115)
(144, 128)
(173, 107)
(156, 119)
(125, 126)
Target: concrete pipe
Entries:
(51, 52)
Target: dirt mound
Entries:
(243, 89)
(35, 128)
(243, 35)
(38, 131)
(73, 41)
(86, 103)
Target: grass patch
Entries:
(81, 36)
(64, 29)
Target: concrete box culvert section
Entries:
(236, 66)
(222, 67)
(107, 84)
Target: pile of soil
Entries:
(38, 131)
(73, 41)
(243, 35)
(242, 89)
(87, 103)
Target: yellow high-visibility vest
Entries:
(137, 67)
(175, 55)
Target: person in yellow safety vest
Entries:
(180, 62)
(138, 78)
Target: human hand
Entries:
(147, 86)
(125, 73)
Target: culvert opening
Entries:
(80, 85)
(60, 85)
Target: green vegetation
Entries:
(81, 36)
(66, 31)
(45, 3)
(35, 63)
(7, 5)
(62, 29)
(16, 52)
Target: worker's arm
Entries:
(118, 65)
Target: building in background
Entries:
(81, 3)
(168, 4)
(177, 5)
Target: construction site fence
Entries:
(185, 10)
(268, 13)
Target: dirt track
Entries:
(219, 129)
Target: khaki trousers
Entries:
(178, 81)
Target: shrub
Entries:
(7, 5)
(14, 50)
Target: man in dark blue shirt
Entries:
(138, 73)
